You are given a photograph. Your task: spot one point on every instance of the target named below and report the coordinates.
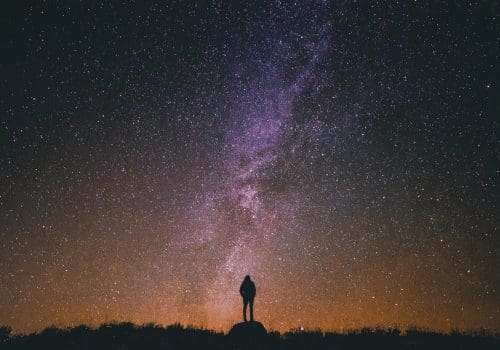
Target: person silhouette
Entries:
(247, 291)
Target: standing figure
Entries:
(247, 291)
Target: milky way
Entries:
(343, 155)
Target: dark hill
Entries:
(249, 335)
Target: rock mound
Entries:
(248, 332)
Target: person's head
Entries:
(247, 278)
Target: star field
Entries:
(345, 155)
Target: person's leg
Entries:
(245, 303)
(251, 309)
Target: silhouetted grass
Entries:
(125, 335)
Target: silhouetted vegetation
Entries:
(151, 336)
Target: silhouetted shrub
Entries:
(5, 332)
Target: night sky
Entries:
(345, 155)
